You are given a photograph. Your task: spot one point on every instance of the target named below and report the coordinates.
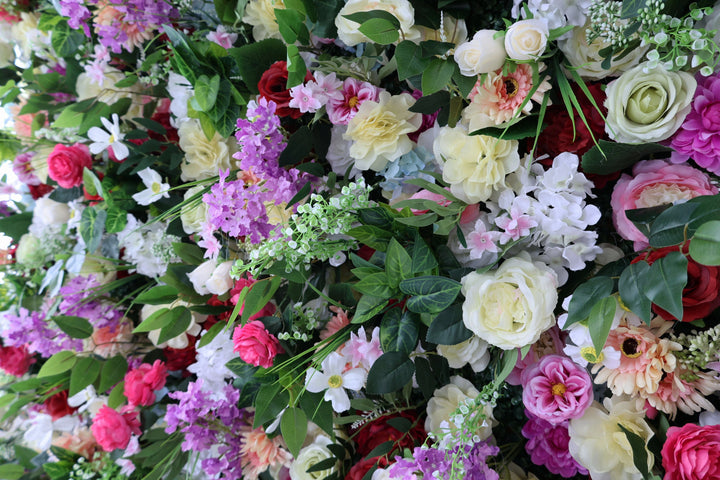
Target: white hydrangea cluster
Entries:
(559, 13)
(148, 246)
(210, 363)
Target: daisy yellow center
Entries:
(589, 354)
(111, 139)
(155, 187)
(335, 381)
(353, 101)
(511, 87)
(558, 389)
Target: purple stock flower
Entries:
(32, 329)
(78, 14)
(547, 445)
(76, 301)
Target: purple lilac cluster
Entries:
(470, 463)
(260, 139)
(78, 14)
(548, 445)
(76, 301)
(206, 421)
(31, 329)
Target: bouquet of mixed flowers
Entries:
(362, 239)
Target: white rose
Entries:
(200, 276)
(180, 341)
(192, 215)
(527, 39)
(446, 400)
(108, 93)
(473, 351)
(311, 455)
(261, 15)
(511, 307)
(203, 157)
(348, 31)
(50, 212)
(647, 107)
(220, 281)
(482, 54)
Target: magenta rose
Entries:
(141, 383)
(113, 429)
(65, 164)
(556, 389)
(655, 182)
(691, 453)
(255, 344)
(15, 360)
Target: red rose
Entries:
(273, 86)
(39, 191)
(691, 453)
(379, 431)
(65, 164)
(358, 471)
(15, 360)
(180, 359)
(57, 406)
(700, 295)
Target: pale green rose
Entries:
(648, 107)
(30, 252)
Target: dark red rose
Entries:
(39, 191)
(273, 86)
(700, 295)
(65, 164)
(57, 406)
(15, 360)
(379, 431)
(179, 359)
(358, 471)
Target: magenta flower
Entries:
(354, 94)
(547, 445)
(699, 135)
(556, 389)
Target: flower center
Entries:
(558, 389)
(511, 87)
(335, 381)
(589, 354)
(155, 187)
(630, 348)
(353, 101)
(111, 138)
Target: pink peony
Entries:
(699, 135)
(15, 360)
(354, 93)
(691, 453)
(556, 389)
(655, 182)
(113, 429)
(255, 344)
(141, 383)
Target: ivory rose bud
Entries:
(483, 54)
(113, 429)
(513, 306)
(348, 31)
(193, 215)
(201, 275)
(261, 15)
(203, 157)
(527, 39)
(311, 455)
(647, 106)
(220, 281)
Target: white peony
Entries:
(49, 212)
(193, 214)
(261, 15)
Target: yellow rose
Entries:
(474, 165)
(379, 131)
(203, 157)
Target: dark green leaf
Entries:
(600, 321)
(632, 8)
(665, 281)
(639, 451)
(410, 62)
(382, 449)
(380, 30)
(85, 371)
(75, 327)
(448, 327)
(507, 364)
(292, 27)
(399, 331)
(630, 288)
(586, 296)
(15, 226)
(255, 58)
(65, 195)
(437, 75)
(431, 103)
(259, 295)
(609, 157)
(430, 294)
(298, 147)
(92, 227)
(189, 253)
(293, 427)
(158, 295)
(295, 66)
(373, 237)
(376, 285)
(362, 17)
(269, 402)
(390, 373)
(669, 227)
(377, 216)
(11, 471)
(319, 411)
(643, 218)
(181, 318)
(326, 464)
(66, 41)
(113, 371)
(398, 264)
(211, 334)
(116, 220)
(705, 244)
(367, 307)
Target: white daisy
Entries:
(155, 188)
(102, 139)
(334, 381)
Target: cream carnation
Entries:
(527, 39)
(482, 54)
(474, 165)
(348, 31)
(648, 107)
(447, 399)
(379, 130)
(261, 15)
(513, 306)
(203, 157)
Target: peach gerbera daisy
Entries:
(686, 391)
(258, 453)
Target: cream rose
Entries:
(511, 307)
(108, 93)
(348, 31)
(261, 15)
(180, 341)
(201, 275)
(598, 443)
(50, 212)
(311, 455)
(203, 157)
(220, 282)
(447, 399)
(527, 39)
(586, 58)
(474, 165)
(647, 107)
(379, 130)
(192, 215)
(473, 351)
(482, 54)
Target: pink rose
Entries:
(113, 429)
(141, 383)
(556, 389)
(655, 182)
(255, 344)
(691, 453)
(15, 360)
(65, 164)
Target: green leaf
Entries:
(11, 471)
(515, 130)
(437, 75)
(586, 296)
(25, 456)
(92, 183)
(92, 227)
(639, 450)
(181, 320)
(259, 295)
(390, 373)
(419, 221)
(410, 63)
(630, 287)
(643, 218)
(705, 244)
(382, 449)
(448, 328)
(117, 396)
(84, 373)
(59, 363)
(189, 253)
(507, 364)
(600, 321)
(608, 157)
(206, 91)
(66, 41)
(631, 8)
(291, 24)
(430, 294)
(255, 58)
(75, 327)
(362, 17)
(113, 371)
(116, 220)
(293, 427)
(423, 258)
(295, 66)
(15, 226)
(430, 104)
(298, 147)
(665, 282)
(377, 216)
(373, 237)
(211, 334)
(398, 263)
(380, 30)
(319, 411)
(376, 285)
(399, 331)
(158, 295)
(269, 402)
(367, 307)
(669, 227)
(156, 320)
